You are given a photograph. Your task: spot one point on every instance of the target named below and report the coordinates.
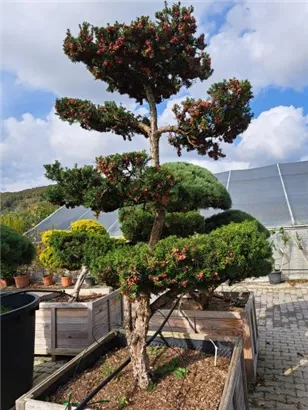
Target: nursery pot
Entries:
(66, 281)
(275, 277)
(22, 281)
(89, 281)
(17, 346)
(48, 280)
(4, 283)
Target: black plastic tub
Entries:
(17, 346)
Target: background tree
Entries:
(16, 250)
(150, 60)
(78, 249)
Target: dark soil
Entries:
(294, 282)
(82, 298)
(216, 304)
(185, 380)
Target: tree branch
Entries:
(162, 300)
(169, 128)
(103, 118)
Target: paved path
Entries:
(44, 367)
(282, 313)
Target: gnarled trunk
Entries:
(82, 275)
(136, 327)
(204, 297)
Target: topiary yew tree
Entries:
(149, 60)
(195, 188)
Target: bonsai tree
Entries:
(16, 250)
(150, 61)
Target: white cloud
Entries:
(33, 34)
(31, 142)
(277, 135)
(263, 42)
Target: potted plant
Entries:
(48, 278)
(66, 279)
(22, 279)
(16, 250)
(5, 280)
(275, 277)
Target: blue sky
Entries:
(264, 42)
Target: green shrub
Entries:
(136, 224)
(73, 249)
(232, 215)
(233, 252)
(49, 259)
(88, 225)
(16, 250)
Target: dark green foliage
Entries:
(16, 250)
(125, 180)
(76, 248)
(81, 186)
(73, 249)
(136, 224)
(233, 252)
(232, 215)
(163, 52)
(196, 188)
(106, 268)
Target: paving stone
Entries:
(283, 347)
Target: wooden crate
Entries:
(234, 396)
(68, 328)
(216, 323)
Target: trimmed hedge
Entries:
(196, 188)
(233, 252)
(232, 215)
(136, 224)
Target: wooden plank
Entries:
(59, 305)
(247, 349)
(90, 323)
(73, 334)
(53, 328)
(201, 313)
(72, 313)
(71, 343)
(41, 387)
(196, 336)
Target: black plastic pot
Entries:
(17, 346)
(275, 277)
(89, 282)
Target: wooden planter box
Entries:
(234, 396)
(216, 323)
(68, 328)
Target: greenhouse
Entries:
(277, 195)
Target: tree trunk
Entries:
(136, 327)
(137, 323)
(157, 227)
(203, 298)
(79, 282)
